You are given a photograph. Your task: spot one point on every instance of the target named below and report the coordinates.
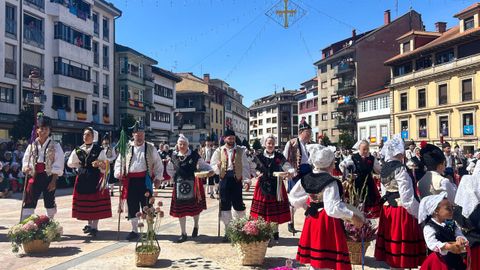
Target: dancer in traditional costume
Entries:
(165, 156)
(206, 153)
(43, 162)
(188, 196)
(142, 164)
(270, 199)
(433, 182)
(111, 155)
(297, 155)
(91, 199)
(399, 239)
(442, 235)
(323, 243)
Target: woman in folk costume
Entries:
(433, 182)
(270, 201)
(91, 200)
(399, 238)
(323, 243)
(467, 214)
(363, 164)
(442, 235)
(111, 155)
(165, 156)
(188, 196)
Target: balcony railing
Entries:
(346, 122)
(345, 88)
(10, 67)
(37, 3)
(344, 67)
(11, 27)
(347, 106)
(34, 36)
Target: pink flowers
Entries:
(250, 228)
(30, 226)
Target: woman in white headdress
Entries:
(399, 239)
(188, 196)
(91, 201)
(270, 201)
(323, 243)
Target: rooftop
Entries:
(165, 73)
(121, 48)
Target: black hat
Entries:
(137, 127)
(229, 132)
(432, 156)
(43, 121)
(303, 125)
(446, 144)
(208, 138)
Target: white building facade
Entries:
(308, 107)
(374, 118)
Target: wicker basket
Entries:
(355, 250)
(146, 259)
(36, 246)
(252, 253)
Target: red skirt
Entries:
(434, 262)
(475, 258)
(91, 206)
(166, 176)
(323, 243)
(190, 208)
(268, 207)
(399, 239)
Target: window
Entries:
(33, 30)
(323, 69)
(333, 115)
(324, 101)
(96, 27)
(373, 132)
(442, 94)
(384, 131)
(72, 36)
(105, 110)
(106, 27)
(422, 128)
(96, 56)
(444, 57)
(316, 120)
(324, 85)
(422, 98)
(216, 116)
(324, 116)
(403, 102)
(310, 119)
(467, 90)
(140, 95)
(402, 69)
(468, 127)
(333, 98)
(10, 60)
(269, 120)
(106, 84)
(80, 105)
(71, 69)
(406, 47)
(383, 102)
(161, 117)
(95, 107)
(424, 62)
(274, 120)
(123, 93)
(7, 94)
(274, 130)
(373, 104)
(363, 106)
(31, 61)
(363, 133)
(40, 4)
(106, 58)
(269, 130)
(260, 132)
(468, 23)
(96, 88)
(60, 102)
(404, 129)
(10, 20)
(163, 91)
(443, 125)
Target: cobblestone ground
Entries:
(78, 251)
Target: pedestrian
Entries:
(206, 153)
(111, 155)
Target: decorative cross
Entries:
(285, 13)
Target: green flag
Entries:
(122, 148)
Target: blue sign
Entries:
(385, 138)
(405, 134)
(468, 130)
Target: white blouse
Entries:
(74, 161)
(137, 164)
(433, 243)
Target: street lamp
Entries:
(35, 99)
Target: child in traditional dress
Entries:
(441, 234)
(323, 243)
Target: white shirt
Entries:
(303, 149)
(74, 161)
(406, 191)
(476, 170)
(58, 164)
(448, 161)
(216, 160)
(433, 243)
(137, 164)
(377, 167)
(201, 164)
(447, 186)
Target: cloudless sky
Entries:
(235, 41)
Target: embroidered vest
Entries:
(49, 155)
(447, 234)
(430, 184)
(88, 176)
(267, 166)
(295, 154)
(149, 148)
(237, 162)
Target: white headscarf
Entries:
(95, 135)
(468, 194)
(182, 137)
(266, 137)
(428, 205)
(321, 156)
(393, 147)
(356, 146)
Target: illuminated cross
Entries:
(285, 13)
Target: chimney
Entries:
(386, 17)
(206, 78)
(354, 34)
(441, 27)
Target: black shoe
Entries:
(291, 228)
(93, 232)
(182, 238)
(211, 196)
(276, 236)
(86, 229)
(195, 232)
(132, 236)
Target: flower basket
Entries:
(147, 258)
(355, 251)
(36, 246)
(252, 253)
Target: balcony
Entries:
(189, 126)
(346, 123)
(344, 67)
(345, 88)
(10, 67)
(136, 104)
(79, 8)
(347, 106)
(40, 4)
(33, 36)
(11, 28)
(81, 116)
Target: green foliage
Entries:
(346, 140)
(248, 230)
(22, 127)
(128, 121)
(325, 140)
(257, 145)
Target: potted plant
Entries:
(147, 248)
(250, 237)
(34, 234)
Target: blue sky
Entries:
(235, 41)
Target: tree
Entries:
(325, 141)
(257, 145)
(128, 121)
(22, 127)
(346, 141)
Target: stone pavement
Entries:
(78, 251)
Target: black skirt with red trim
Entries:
(267, 206)
(92, 206)
(323, 243)
(400, 240)
(191, 207)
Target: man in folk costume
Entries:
(473, 164)
(231, 164)
(433, 182)
(206, 153)
(91, 200)
(450, 162)
(188, 196)
(297, 155)
(142, 164)
(44, 163)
